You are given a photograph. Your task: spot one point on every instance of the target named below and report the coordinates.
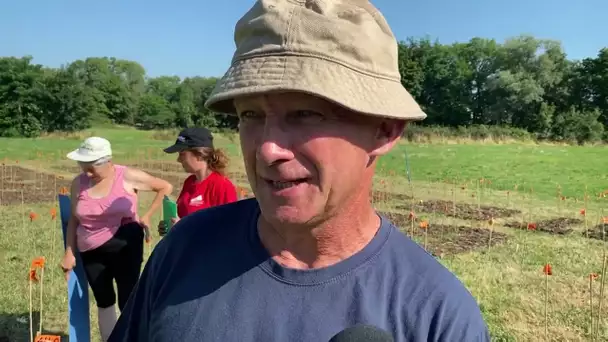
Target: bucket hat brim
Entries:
(352, 89)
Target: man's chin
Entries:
(286, 214)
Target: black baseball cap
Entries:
(190, 138)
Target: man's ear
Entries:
(388, 134)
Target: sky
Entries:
(195, 37)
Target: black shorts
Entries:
(119, 259)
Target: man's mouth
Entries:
(281, 185)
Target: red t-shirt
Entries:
(213, 190)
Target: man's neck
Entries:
(336, 239)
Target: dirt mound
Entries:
(463, 211)
(556, 226)
(37, 186)
(598, 232)
(44, 187)
(384, 196)
(444, 240)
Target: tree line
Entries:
(525, 85)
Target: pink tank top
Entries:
(100, 218)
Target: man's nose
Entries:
(275, 143)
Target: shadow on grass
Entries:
(16, 327)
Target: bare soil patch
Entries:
(443, 240)
(19, 184)
(385, 196)
(463, 211)
(598, 232)
(555, 226)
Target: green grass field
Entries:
(453, 187)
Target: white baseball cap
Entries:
(91, 149)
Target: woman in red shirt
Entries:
(208, 185)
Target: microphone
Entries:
(362, 333)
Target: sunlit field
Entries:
(521, 225)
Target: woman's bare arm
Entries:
(143, 181)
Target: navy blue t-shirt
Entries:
(211, 279)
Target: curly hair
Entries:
(215, 158)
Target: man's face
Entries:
(305, 157)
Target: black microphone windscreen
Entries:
(362, 333)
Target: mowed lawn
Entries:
(506, 278)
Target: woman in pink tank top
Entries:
(105, 227)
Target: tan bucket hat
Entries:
(340, 50)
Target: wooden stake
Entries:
(591, 304)
(601, 299)
(546, 305)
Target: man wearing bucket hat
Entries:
(317, 90)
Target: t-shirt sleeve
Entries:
(457, 317)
